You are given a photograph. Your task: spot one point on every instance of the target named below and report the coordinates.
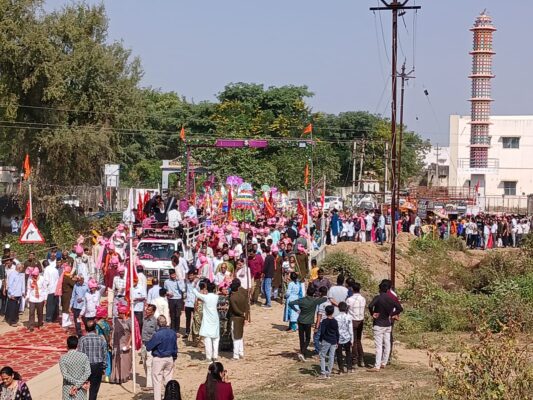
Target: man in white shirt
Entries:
(242, 272)
(218, 259)
(191, 212)
(369, 222)
(356, 308)
(174, 217)
(138, 296)
(153, 293)
(92, 300)
(51, 277)
(161, 305)
(338, 293)
(346, 338)
(143, 281)
(180, 265)
(15, 225)
(36, 295)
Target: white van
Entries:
(155, 256)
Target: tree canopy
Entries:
(73, 101)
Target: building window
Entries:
(511, 142)
(509, 188)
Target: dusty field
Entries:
(269, 368)
(376, 258)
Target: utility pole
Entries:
(404, 76)
(394, 6)
(354, 168)
(361, 167)
(386, 181)
(437, 150)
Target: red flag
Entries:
(306, 174)
(303, 212)
(182, 134)
(129, 282)
(323, 199)
(26, 167)
(308, 129)
(140, 206)
(477, 187)
(27, 219)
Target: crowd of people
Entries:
(482, 231)
(88, 290)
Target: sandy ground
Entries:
(269, 350)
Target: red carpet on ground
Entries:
(31, 353)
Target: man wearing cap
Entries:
(119, 287)
(92, 300)
(36, 295)
(77, 302)
(176, 293)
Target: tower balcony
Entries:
(480, 141)
(469, 166)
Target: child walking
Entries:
(345, 338)
(329, 337)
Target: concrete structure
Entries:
(437, 163)
(481, 76)
(508, 173)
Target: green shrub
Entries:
(498, 366)
(339, 262)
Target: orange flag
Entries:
(182, 134)
(306, 174)
(302, 211)
(26, 167)
(308, 129)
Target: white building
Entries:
(508, 174)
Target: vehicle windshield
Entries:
(155, 251)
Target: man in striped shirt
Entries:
(356, 309)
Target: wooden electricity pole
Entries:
(394, 6)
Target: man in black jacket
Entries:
(383, 308)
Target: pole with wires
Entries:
(395, 6)
(132, 313)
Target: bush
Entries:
(496, 367)
(341, 263)
(427, 244)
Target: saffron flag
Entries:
(26, 167)
(308, 129)
(306, 174)
(269, 209)
(230, 202)
(303, 212)
(182, 134)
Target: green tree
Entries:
(61, 80)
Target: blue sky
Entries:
(335, 47)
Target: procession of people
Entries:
(112, 310)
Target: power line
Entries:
(214, 137)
